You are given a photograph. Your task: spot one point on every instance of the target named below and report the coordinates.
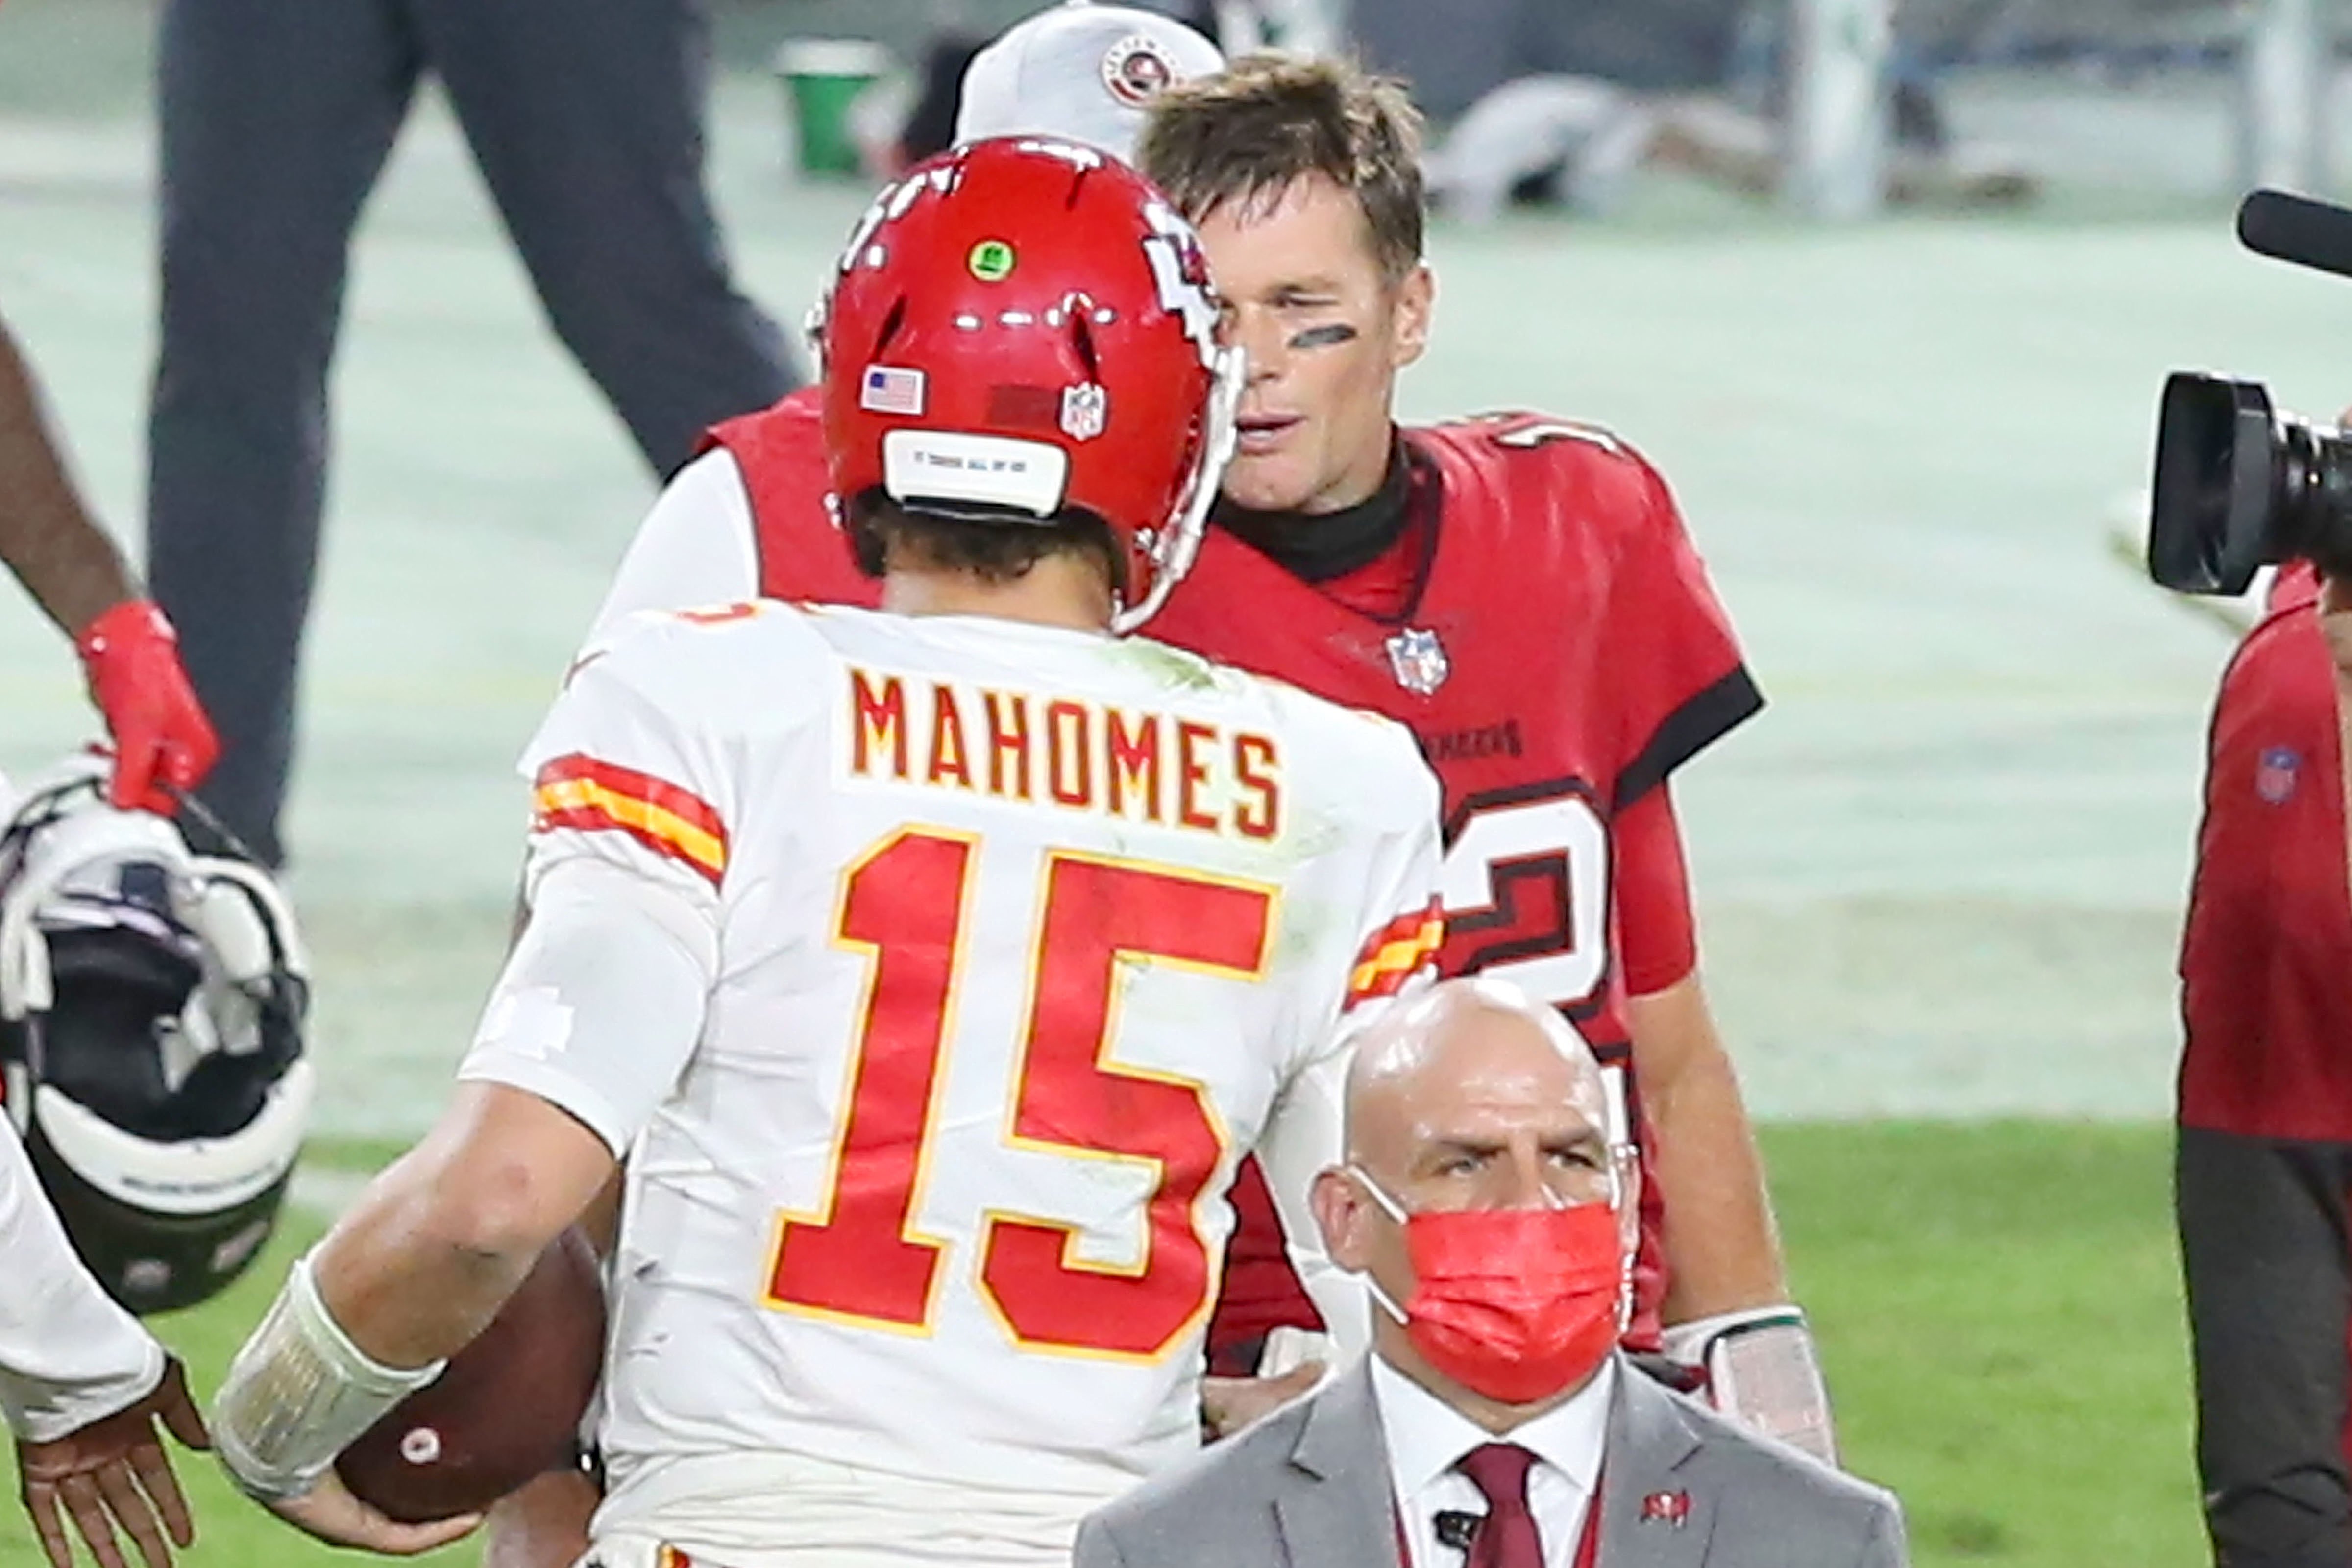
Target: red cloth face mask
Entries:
(1515, 1304)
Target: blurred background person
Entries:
(1564, 105)
(1240, 26)
(275, 119)
(1075, 69)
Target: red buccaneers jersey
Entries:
(1560, 655)
(2269, 940)
(1563, 654)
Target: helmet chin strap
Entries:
(1172, 548)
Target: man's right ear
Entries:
(1342, 1214)
(1416, 300)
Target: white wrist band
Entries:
(298, 1393)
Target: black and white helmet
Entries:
(152, 989)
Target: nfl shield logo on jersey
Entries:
(1419, 660)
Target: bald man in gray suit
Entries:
(1492, 1218)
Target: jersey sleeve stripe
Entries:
(578, 791)
(1689, 729)
(1396, 953)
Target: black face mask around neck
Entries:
(1317, 547)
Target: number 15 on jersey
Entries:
(859, 1259)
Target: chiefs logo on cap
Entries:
(1137, 70)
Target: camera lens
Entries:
(2314, 487)
(2240, 486)
(2217, 489)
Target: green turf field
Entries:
(1998, 1304)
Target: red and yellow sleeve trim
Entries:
(1396, 953)
(578, 791)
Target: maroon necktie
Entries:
(1507, 1539)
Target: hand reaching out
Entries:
(114, 1472)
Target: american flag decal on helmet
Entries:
(1396, 953)
(2275, 774)
(890, 389)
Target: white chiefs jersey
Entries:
(1025, 936)
(68, 1354)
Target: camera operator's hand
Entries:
(2335, 621)
(2336, 612)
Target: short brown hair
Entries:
(996, 548)
(1266, 121)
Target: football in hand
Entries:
(507, 1408)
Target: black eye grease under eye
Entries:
(1329, 335)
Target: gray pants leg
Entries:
(275, 121)
(2264, 1249)
(587, 121)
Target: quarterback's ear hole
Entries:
(890, 325)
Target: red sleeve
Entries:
(1674, 661)
(1656, 942)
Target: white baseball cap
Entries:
(1082, 72)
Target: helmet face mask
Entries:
(1024, 328)
(152, 999)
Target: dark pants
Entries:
(2263, 1242)
(276, 116)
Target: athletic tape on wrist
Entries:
(298, 1393)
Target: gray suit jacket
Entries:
(1309, 1487)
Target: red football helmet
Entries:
(1024, 325)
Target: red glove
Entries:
(161, 734)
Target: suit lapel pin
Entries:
(1666, 1508)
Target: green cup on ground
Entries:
(822, 77)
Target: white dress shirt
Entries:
(1426, 1438)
